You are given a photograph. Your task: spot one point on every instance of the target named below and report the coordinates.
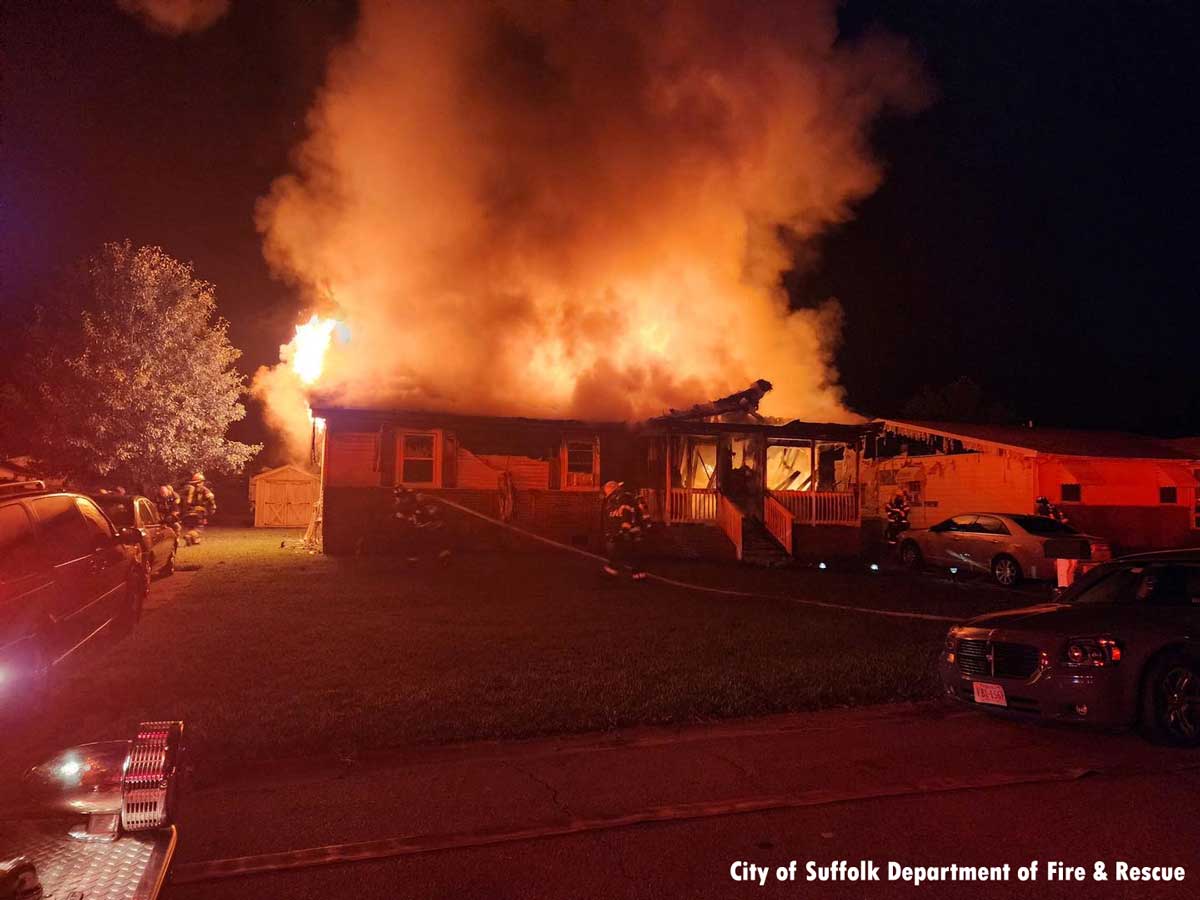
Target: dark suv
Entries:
(66, 576)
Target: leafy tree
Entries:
(962, 400)
(125, 373)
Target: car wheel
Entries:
(1171, 700)
(910, 555)
(1006, 571)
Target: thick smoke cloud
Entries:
(582, 208)
(176, 17)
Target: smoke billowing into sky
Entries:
(582, 208)
(176, 17)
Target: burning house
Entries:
(726, 481)
(1139, 492)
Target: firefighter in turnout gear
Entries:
(625, 520)
(1065, 569)
(168, 504)
(420, 524)
(199, 502)
(897, 511)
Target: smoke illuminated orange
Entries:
(580, 210)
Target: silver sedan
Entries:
(1008, 546)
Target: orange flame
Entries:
(309, 346)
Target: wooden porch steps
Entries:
(759, 548)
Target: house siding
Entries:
(358, 494)
(953, 484)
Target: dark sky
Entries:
(1034, 233)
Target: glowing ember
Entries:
(309, 346)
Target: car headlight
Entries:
(951, 640)
(1092, 652)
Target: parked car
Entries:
(1120, 646)
(160, 541)
(66, 576)
(1011, 547)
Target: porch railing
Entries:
(821, 507)
(729, 518)
(686, 504)
(779, 522)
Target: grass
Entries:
(270, 653)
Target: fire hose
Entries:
(702, 588)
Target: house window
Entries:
(579, 460)
(417, 462)
(1168, 495)
(1070, 493)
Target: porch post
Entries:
(859, 446)
(812, 476)
(667, 473)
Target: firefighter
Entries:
(625, 520)
(1064, 569)
(897, 510)
(168, 503)
(1043, 507)
(199, 502)
(420, 524)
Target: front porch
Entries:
(789, 488)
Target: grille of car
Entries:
(1006, 660)
(973, 657)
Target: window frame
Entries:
(565, 473)
(435, 435)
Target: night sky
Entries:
(1034, 232)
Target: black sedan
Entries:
(1120, 647)
(159, 540)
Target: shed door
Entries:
(284, 504)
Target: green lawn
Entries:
(268, 652)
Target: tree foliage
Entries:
(962, 400)
(126, 372)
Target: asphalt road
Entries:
(661, 813)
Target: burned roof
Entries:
(1054, 441)
(435, 419)
(371, 419)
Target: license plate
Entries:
(989, 693)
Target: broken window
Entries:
(416, 462)
(580, 464)
(789, 468)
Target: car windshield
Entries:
(1153, 584)
(1043, 525)
(119, 509)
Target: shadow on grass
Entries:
(270, 652)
